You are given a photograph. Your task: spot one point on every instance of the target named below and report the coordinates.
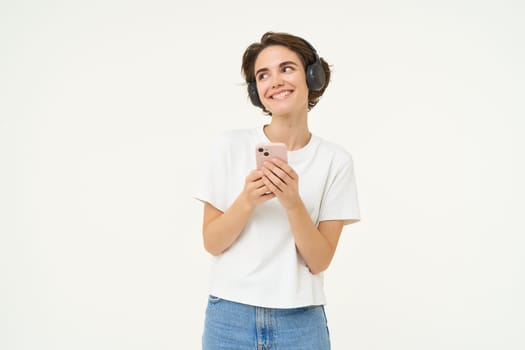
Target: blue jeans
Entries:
(235, 326)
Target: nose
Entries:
(277, 81)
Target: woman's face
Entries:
(281, 81)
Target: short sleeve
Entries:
(340, 200)
(211, 186)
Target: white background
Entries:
(106, 112)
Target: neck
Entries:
(291, 131)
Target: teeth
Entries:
(281, 95)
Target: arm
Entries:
(221, 229)
(316, 245)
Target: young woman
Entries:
(273, 231)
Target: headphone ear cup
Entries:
(315, 76)
(254, 95)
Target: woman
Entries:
(273, 231)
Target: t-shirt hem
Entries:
(346, 221)
(204, 199)
(268, 304)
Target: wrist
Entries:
(296, 206)
(244, 203)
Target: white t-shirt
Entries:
(263, 266)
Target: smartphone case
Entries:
(266, 151)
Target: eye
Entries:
(262, 76)
(288, 69)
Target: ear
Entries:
(315, 76)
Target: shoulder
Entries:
(335, 152)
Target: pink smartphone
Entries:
(266, 151)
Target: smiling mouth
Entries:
(281, 95)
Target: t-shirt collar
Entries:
(297, 155)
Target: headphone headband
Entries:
(317, 59)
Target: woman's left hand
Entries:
(282, 181)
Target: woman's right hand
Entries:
(221, 229)
(255, 191)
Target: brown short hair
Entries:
(300, 46)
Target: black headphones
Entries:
(315, 79)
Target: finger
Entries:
(254, 175)
(273, 183)
(263, 191)
(285, 167)
(259, 183)
(268, 196)
(281, 174)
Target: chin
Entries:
(283, 113)
(288, 110)
(281, 108)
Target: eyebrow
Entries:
(285, 63)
